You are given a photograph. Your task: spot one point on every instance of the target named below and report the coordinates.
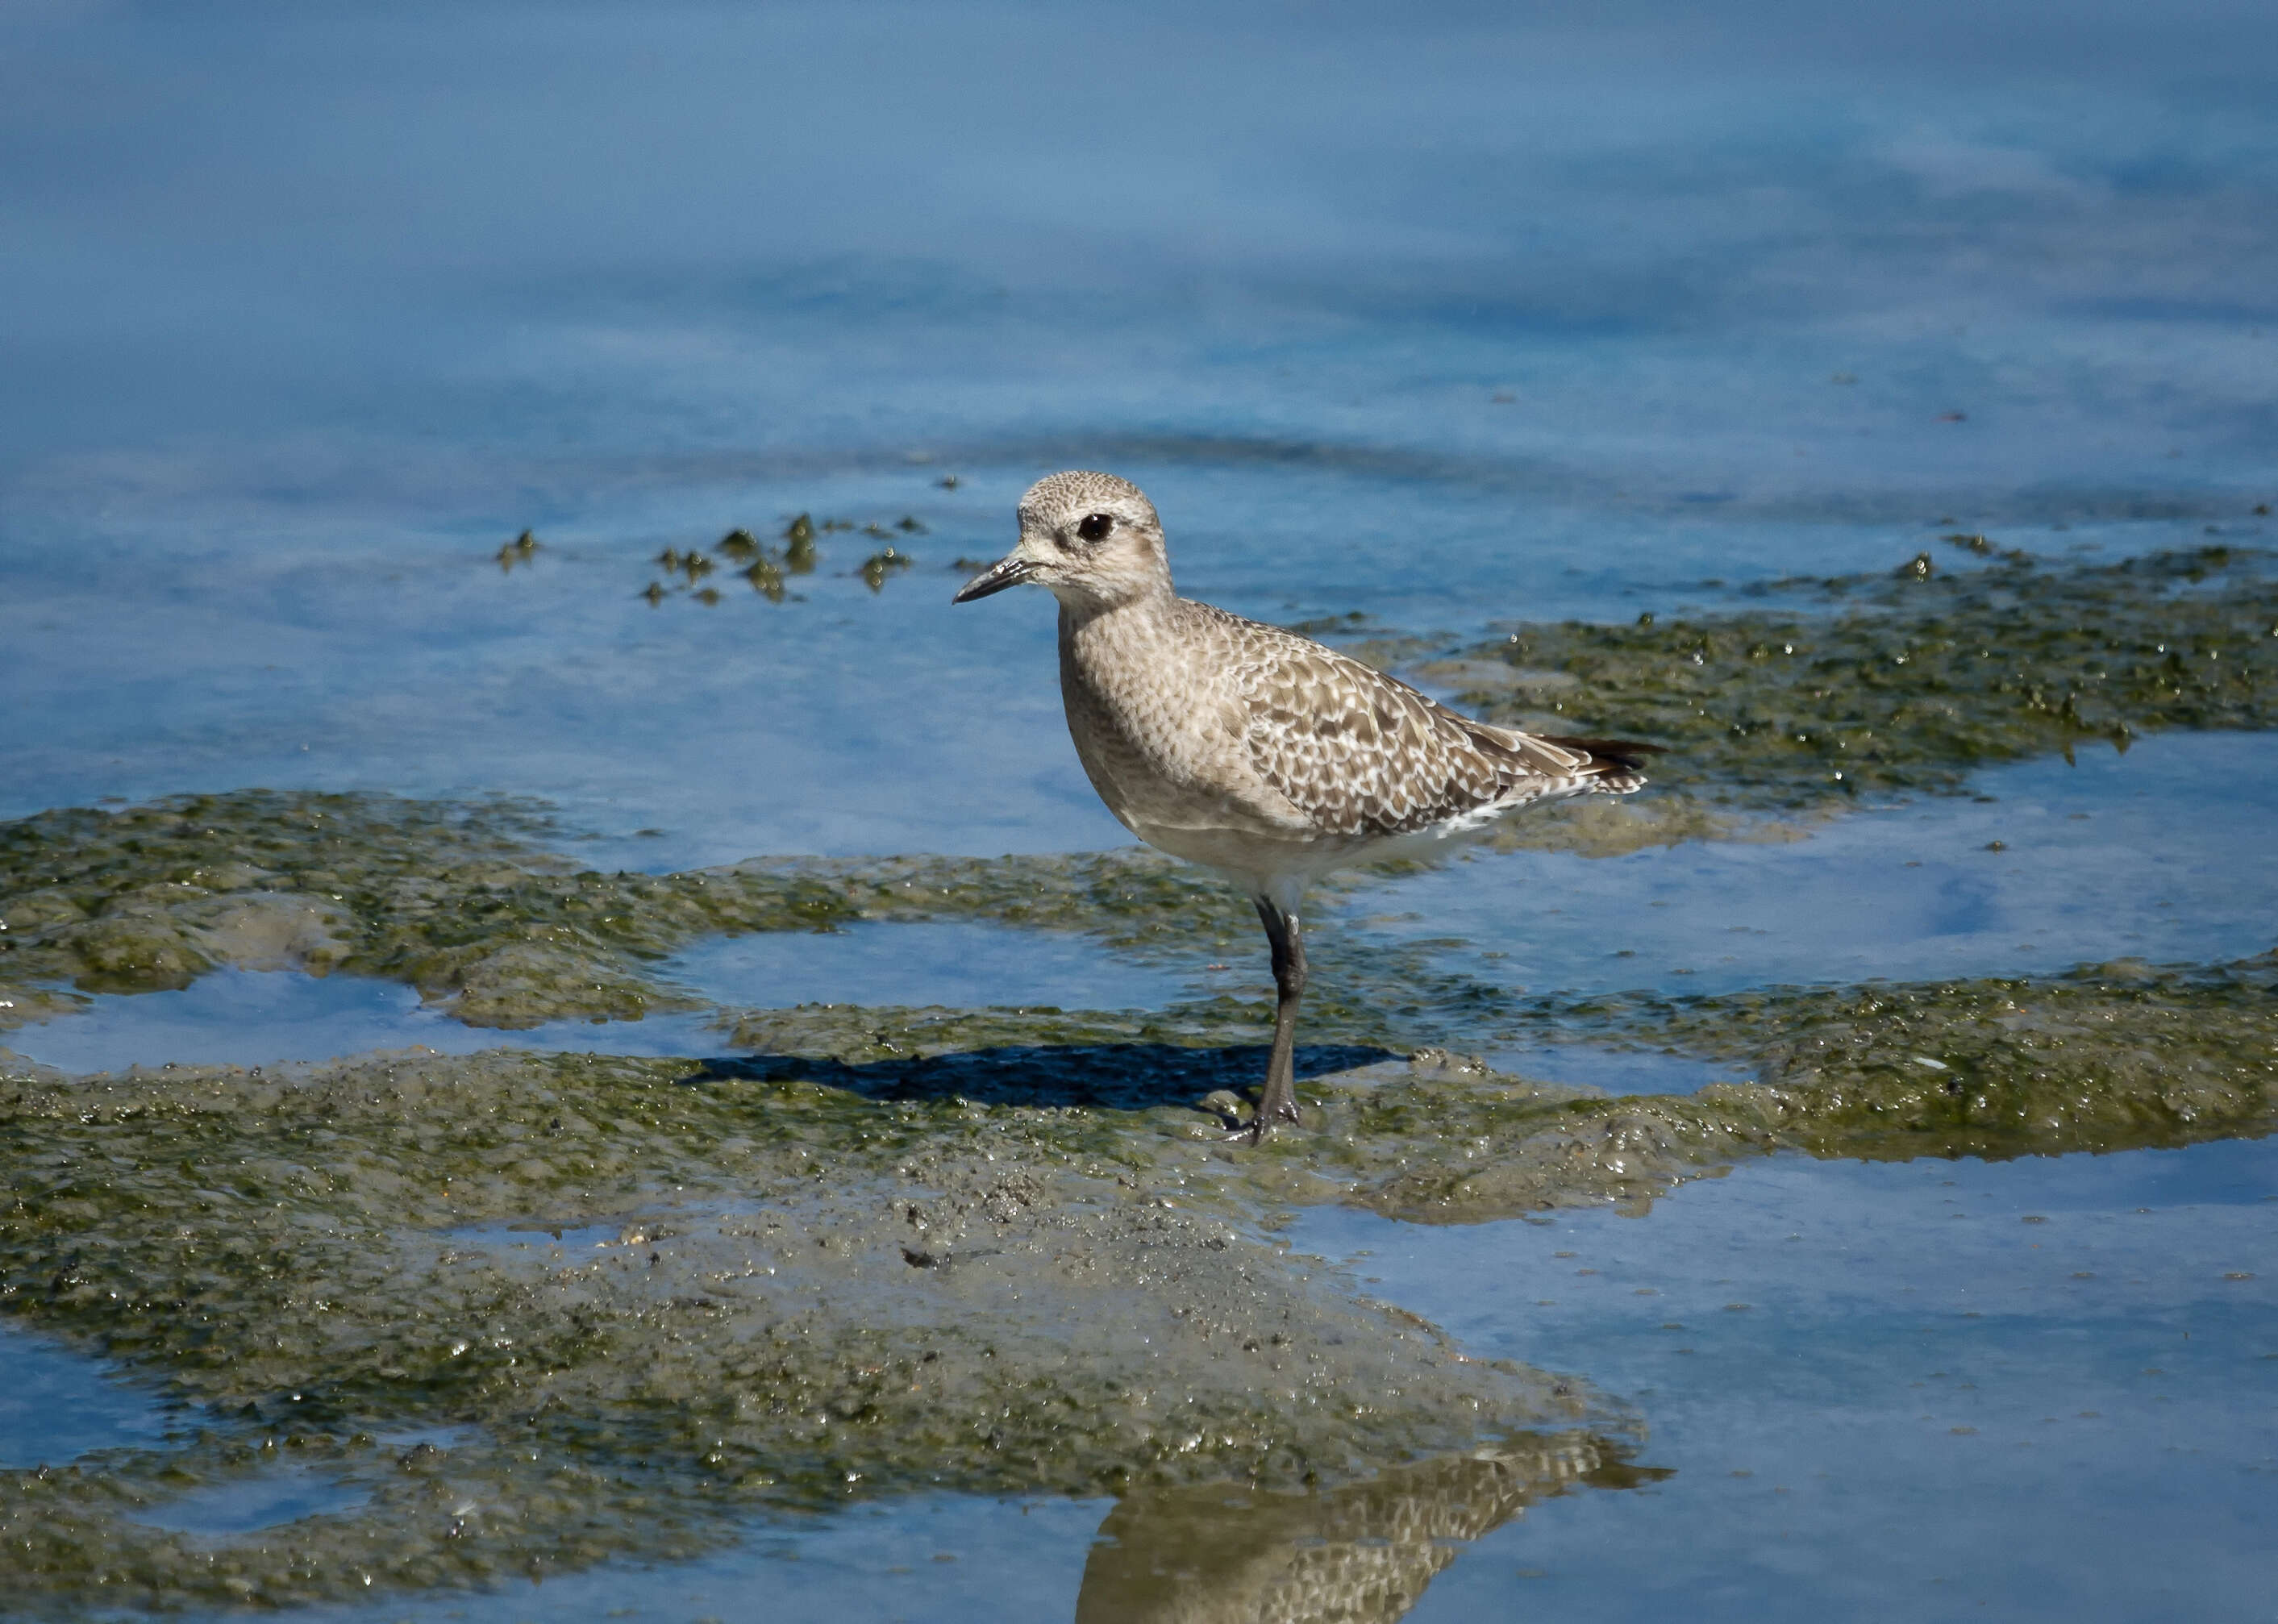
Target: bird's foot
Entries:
(1252, 1132)
(1270, 1112)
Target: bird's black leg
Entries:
(1286, 938)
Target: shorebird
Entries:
(1255, 752)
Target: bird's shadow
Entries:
(1119, 1076)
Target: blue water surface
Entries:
(58, 1404)
(2045, 1389)
(1449, 316)
(2160, 855)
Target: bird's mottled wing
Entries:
(1361, 753)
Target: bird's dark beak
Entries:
(1006, 571)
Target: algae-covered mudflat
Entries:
(574, 1043)
(508, 1315)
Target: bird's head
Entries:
(1091, 540)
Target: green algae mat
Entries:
(527, 1312)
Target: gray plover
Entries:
(1251, 750)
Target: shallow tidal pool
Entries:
(1929, 1390)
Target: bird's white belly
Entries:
(1282, 866)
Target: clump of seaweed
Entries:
(521, 551)
(798, 545)
(1911, 683)
(691, 566)
(764, 567)
(2105, 1057)
(880, 564)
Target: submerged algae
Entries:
(2105, 1057)
(1913, 681)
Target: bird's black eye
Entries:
(1094, 526)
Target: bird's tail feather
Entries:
(1626, 754)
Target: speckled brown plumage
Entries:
(1361, 754)
(1252, 749)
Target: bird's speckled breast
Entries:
(1159, 737)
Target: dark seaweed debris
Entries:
(766, 568)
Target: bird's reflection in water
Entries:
(1220, 1554)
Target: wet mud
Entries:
(653, 1298)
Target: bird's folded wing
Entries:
(1361, 753)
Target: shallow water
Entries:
(57, 1404)
(274, 460)
(2042, 1388)
(961, 966)
(1452, 322)
(253, 1017)
(951, 1558)
(2160, 854)
(268, 1501)
(238, 1017)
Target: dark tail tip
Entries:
(1628, 753)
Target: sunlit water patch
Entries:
(1926, 1390)
(57, 1404)
(253, 1017)
(2160, 854)
(957, 965)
